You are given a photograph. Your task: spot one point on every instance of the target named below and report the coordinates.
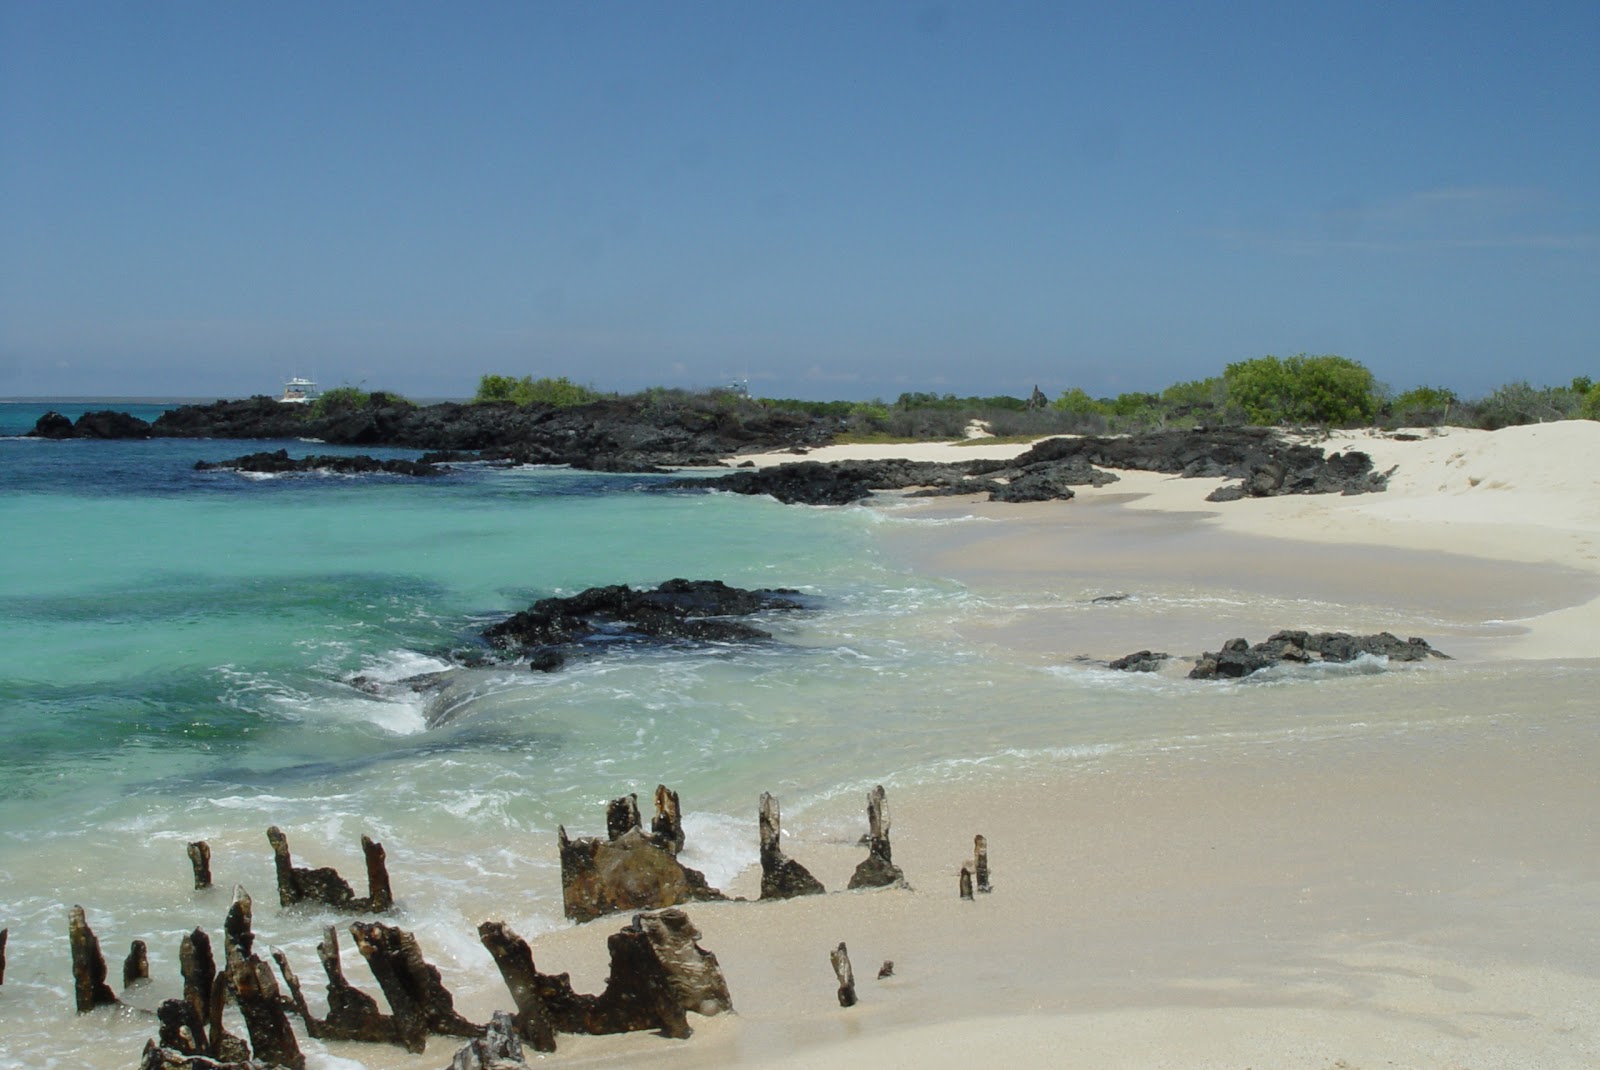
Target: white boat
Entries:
(299, 391)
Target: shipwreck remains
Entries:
(840, 957)
(324, 885)
(200, 860)
(667, 825)
(631, 869)
(411, 985)
(878, 870)
(136, 967)
(659, 973)
(88, 965)
(497, 1049)
(781, 877)
(352, 1014)
(254, 991)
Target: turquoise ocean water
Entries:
(180, 654)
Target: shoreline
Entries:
(1514, 506)
(1149, 911)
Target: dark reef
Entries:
(1262, 460)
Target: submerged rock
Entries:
(1140, 661)
(277, 462)
(1238, 658)
(696, 610)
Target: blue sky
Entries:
(833, 200)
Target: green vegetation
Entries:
(560, 392)
(1298, 391)
(343, 399)
(1329, 390)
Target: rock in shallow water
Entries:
(1238, 658)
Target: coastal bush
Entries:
(1076, 401)
(559, 392)
(340, 399)
(1197, 401)
(1330, 390)
(952, 403)
(1589, 408)
(1521, 402)
(1422, 406)
(829, 409)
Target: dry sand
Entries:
(1381, 900)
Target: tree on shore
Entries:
(1329, 390)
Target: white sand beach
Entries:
(1371, 899)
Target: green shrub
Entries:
(559, 392)
(1327, 390)
(1077, 402)
(340, 399)
(1589, 407)
(1423, 406)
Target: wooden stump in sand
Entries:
(412, 986)
(840, 957)
(324, 885)
(667, 826)
(781, 877)
(630, 870)
(136, 967)
(272, 1039)
(352, 1014)
(200, 861)
(658, 973)
(877, 870)
(88, 964)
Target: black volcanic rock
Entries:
(1259, 457)
(694, 610)
(1140, 661)
(1238, 658)
(104, 423)
(612, 434)
(833, 483)
(52, 425)
(277, 462)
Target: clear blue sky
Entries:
(832, 199)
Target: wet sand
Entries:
(1419, 900)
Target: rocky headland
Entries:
(617, 434)
(634, 435)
